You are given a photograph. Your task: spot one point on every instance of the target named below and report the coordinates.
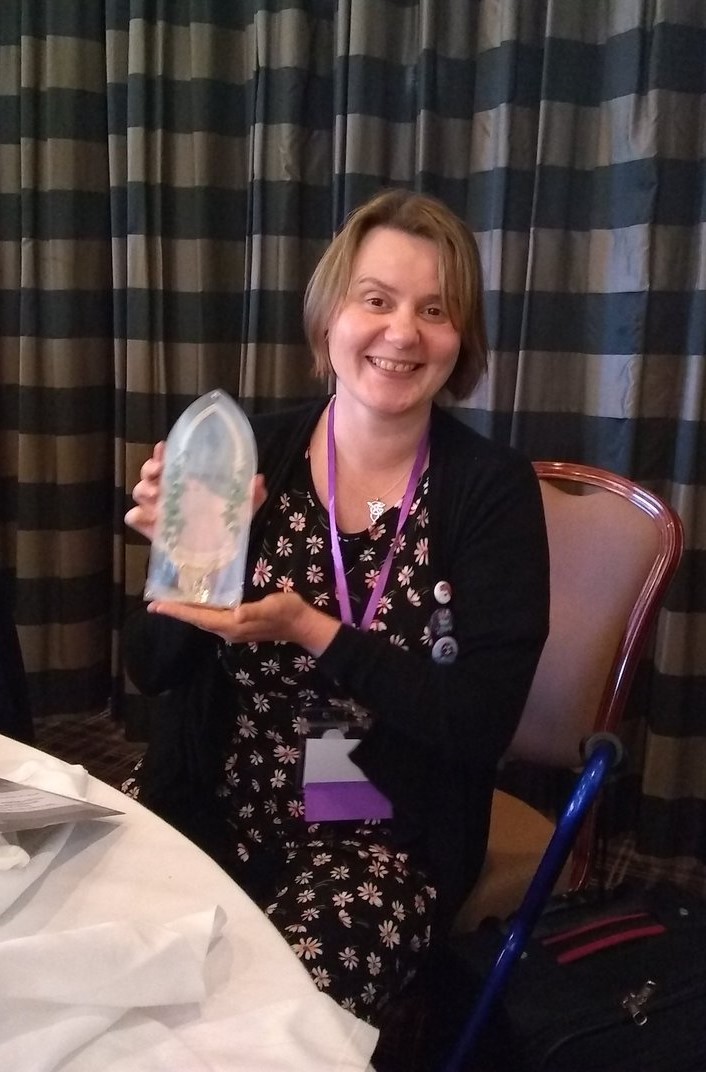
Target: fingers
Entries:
(258, 492)
(240, 625)
(279, 616)
(147, 488)
(145, 494)
(136, 519)
(216, 620)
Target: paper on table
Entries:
(23, 807)
(26, 855)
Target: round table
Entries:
(262, 1013)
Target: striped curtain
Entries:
(57, 392)
(170, 172)
(220, 119)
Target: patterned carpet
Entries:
(97, 742)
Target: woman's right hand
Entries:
(143, 516)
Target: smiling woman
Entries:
(333, 740)
(392, 343)
(457, 277)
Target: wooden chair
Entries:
(614, 547)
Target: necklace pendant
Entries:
(377, 509)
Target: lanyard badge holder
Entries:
(333, 787)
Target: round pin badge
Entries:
(441, 622)
(445, 650)
(442, 592)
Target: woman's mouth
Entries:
(386, 365)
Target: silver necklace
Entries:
(378, 506)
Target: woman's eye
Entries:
(434, 311)
(376, 302)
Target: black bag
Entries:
(610, 982)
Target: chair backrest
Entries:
(614, 546)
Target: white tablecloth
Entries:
(262, 1012)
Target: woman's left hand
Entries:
(281, 616)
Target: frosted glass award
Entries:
(204, 510)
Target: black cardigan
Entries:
(439, 731)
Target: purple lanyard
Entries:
(342, 592)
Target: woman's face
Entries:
(391, 342)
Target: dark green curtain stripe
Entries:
(646, 449)
(54, 214)
(70, 600)
(70, 507)
(54, 113)
(675, 827)
(453, 88)
(677, 705)
(160, 103)
(281, 208)
(148, 423)
(688, 591)
(40, 18)
(143, 314)
(56, 692)
(57, 314)
(668, 193)
(8, 505)
(621, 195)
(226, 14)
(273, 316)
(612, 323)
(670, 57)
(54, 411)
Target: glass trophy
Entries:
(204, 510)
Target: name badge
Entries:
(334, 787)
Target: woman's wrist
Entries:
(315, 630)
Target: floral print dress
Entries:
(352, 905)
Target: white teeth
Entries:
(392, 366)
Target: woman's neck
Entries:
(373, 443)
(374, 458)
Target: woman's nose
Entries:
(401, 328)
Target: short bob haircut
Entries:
(460, 277)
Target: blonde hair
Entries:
(460, 277)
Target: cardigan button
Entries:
(445, 650)
(441, 622)
(442, 592)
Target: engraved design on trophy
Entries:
(204, 513)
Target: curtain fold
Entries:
(170, 172)
(55, 377)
